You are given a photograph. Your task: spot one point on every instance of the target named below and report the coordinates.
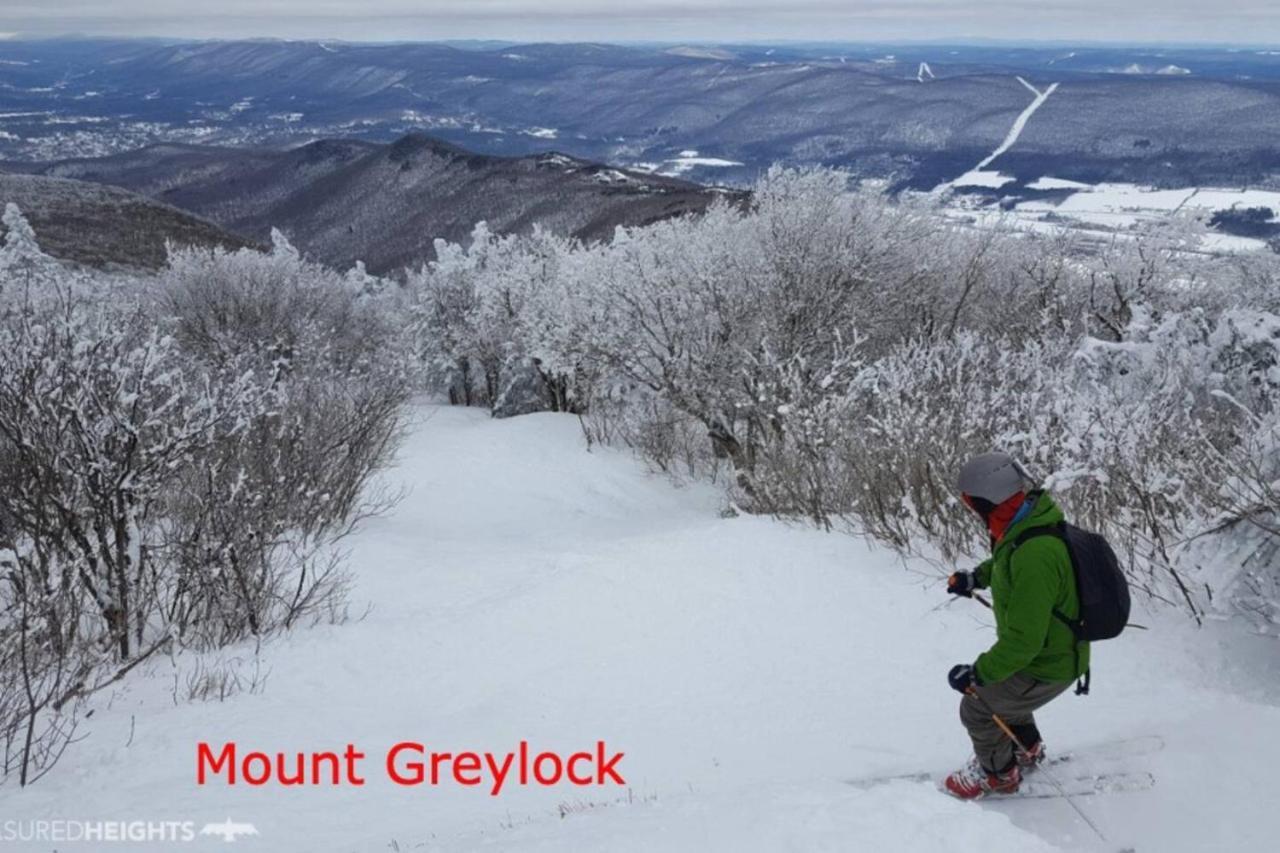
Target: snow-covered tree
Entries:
(179, 456)
(844, 352)
(22, 263)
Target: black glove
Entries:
(963, 676)
(962, 583)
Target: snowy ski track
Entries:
(1019, 125)
(1020, 122)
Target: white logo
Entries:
(229, 830)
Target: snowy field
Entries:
(1104, 207)
(528, 589)
(1123, 205)
(687, 160)
(1108, 207)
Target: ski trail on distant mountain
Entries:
(1020, 123)
(1033, 89)
(716, 78)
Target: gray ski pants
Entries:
(1015, 699)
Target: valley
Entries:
(1118, 114)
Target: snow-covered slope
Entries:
(529, 589)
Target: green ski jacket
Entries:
(1027, 583)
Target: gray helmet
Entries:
(994, 477)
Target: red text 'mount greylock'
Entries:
(409, 763)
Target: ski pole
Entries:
(1004, 727)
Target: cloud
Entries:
(711, 20)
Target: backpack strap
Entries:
(1059, 531)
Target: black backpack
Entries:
(1101, 586)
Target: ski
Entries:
(1041, 789)
(1080, 786)
(1107, 751)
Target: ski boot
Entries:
(973, 781)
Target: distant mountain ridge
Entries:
(869, 108)
(345, 200)
(106, 227)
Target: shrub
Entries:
(179, 464)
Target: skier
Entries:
(1036, 655)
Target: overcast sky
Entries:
(1243, 21)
